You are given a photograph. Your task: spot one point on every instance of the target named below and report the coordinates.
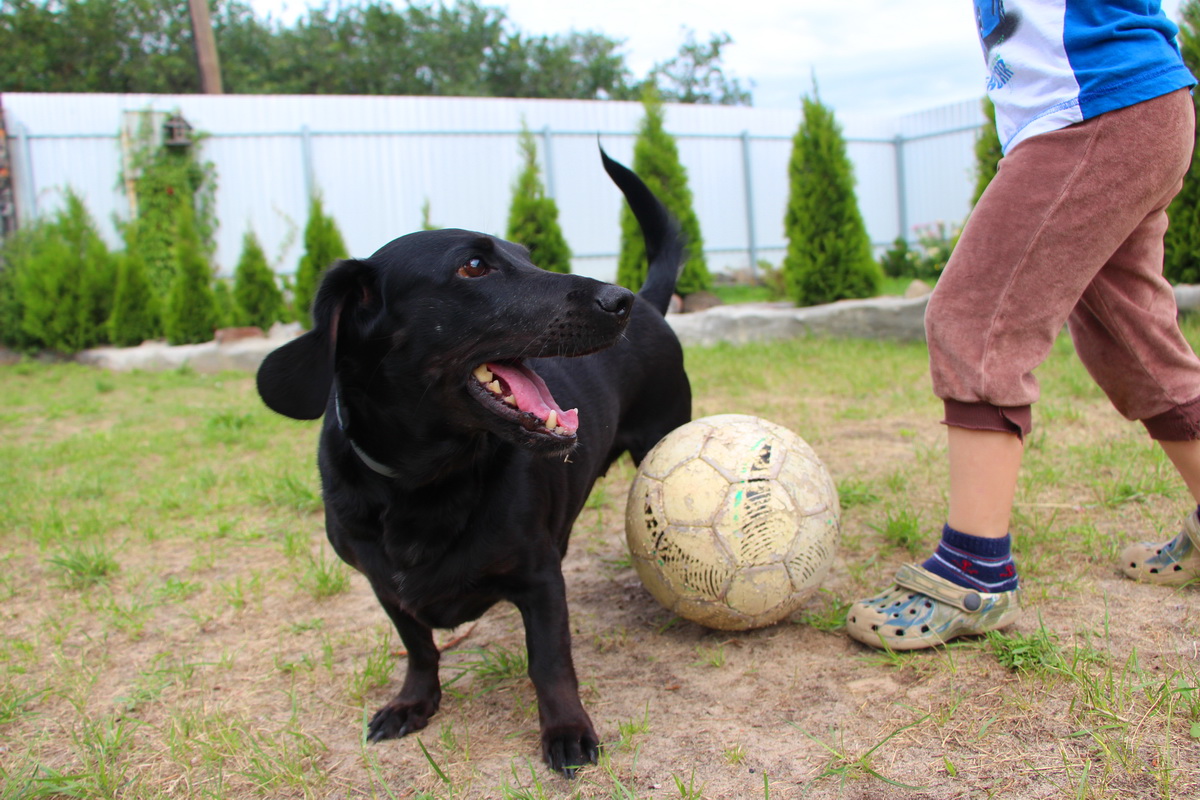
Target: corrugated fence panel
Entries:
(379, 161)
(939, 163)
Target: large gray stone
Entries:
(893, 318)
(209, 358)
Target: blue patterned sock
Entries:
(975, 562)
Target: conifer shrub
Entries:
(900, 260)
(191, 313)
(533, 216)
(323, 245)
(829, 252)
(256, 295)
(228, 313)
(656, 162)
(59, 282)
(1181, 261)
(136, 314)
(427, 223)
(987, 151)
(15, 252)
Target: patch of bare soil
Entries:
(788, 711)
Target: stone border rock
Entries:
(209, 358)
(892, 318)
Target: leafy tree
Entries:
(355, 47)
(987, 151)
(191, 314)
(62, 283)
(829, 251)
(656, 162)
(584, 66)
(533, 217)
(323, 245)
(249, 47)
(1181, 261)
(255, 292)
(465, 49)
(696, 74)
(136, 314)
(97, 46)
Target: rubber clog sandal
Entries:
(1172, 563)
(925, 610)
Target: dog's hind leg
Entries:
(568, 738)
(421, 693)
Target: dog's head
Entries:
(436, 326)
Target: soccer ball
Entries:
(732, 521)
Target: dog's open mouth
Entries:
(517, 393)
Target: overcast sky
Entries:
(874, 57)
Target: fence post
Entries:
(549, 161)
(27, 210)
(901, 187)
(748, 185)
(310, 187)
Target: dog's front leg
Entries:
(568, 739)
(421, 693)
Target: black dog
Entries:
(453, 468)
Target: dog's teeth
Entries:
(552, 420)
(512, 401)
(483, 374)
(494, 387)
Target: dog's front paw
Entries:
(566, 748)
(399, 718)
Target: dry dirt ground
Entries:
(790, 711)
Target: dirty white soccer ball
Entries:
(732, 521)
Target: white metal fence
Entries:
(378, 160)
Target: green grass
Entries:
(173, 623)
(743, 293)
(730, 293)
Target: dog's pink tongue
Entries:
(532, 394)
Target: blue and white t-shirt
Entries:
(1053, 63)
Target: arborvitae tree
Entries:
(829, 251)
(1181, 262)
(136, 314)
(63, 282)
(533, 217)
(323, 245)
(12, 255)
(899, 260)
(427, 217)
(191, 314)
(656, 161)
(987, 151)
(228, 313)
(255, 292)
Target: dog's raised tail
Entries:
(665, 244)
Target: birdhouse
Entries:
(178, 133)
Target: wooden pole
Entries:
(206, 48)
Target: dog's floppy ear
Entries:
(295, 379)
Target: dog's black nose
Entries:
(615, 300)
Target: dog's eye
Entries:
(474, 269)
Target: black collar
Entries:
(374, 465)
